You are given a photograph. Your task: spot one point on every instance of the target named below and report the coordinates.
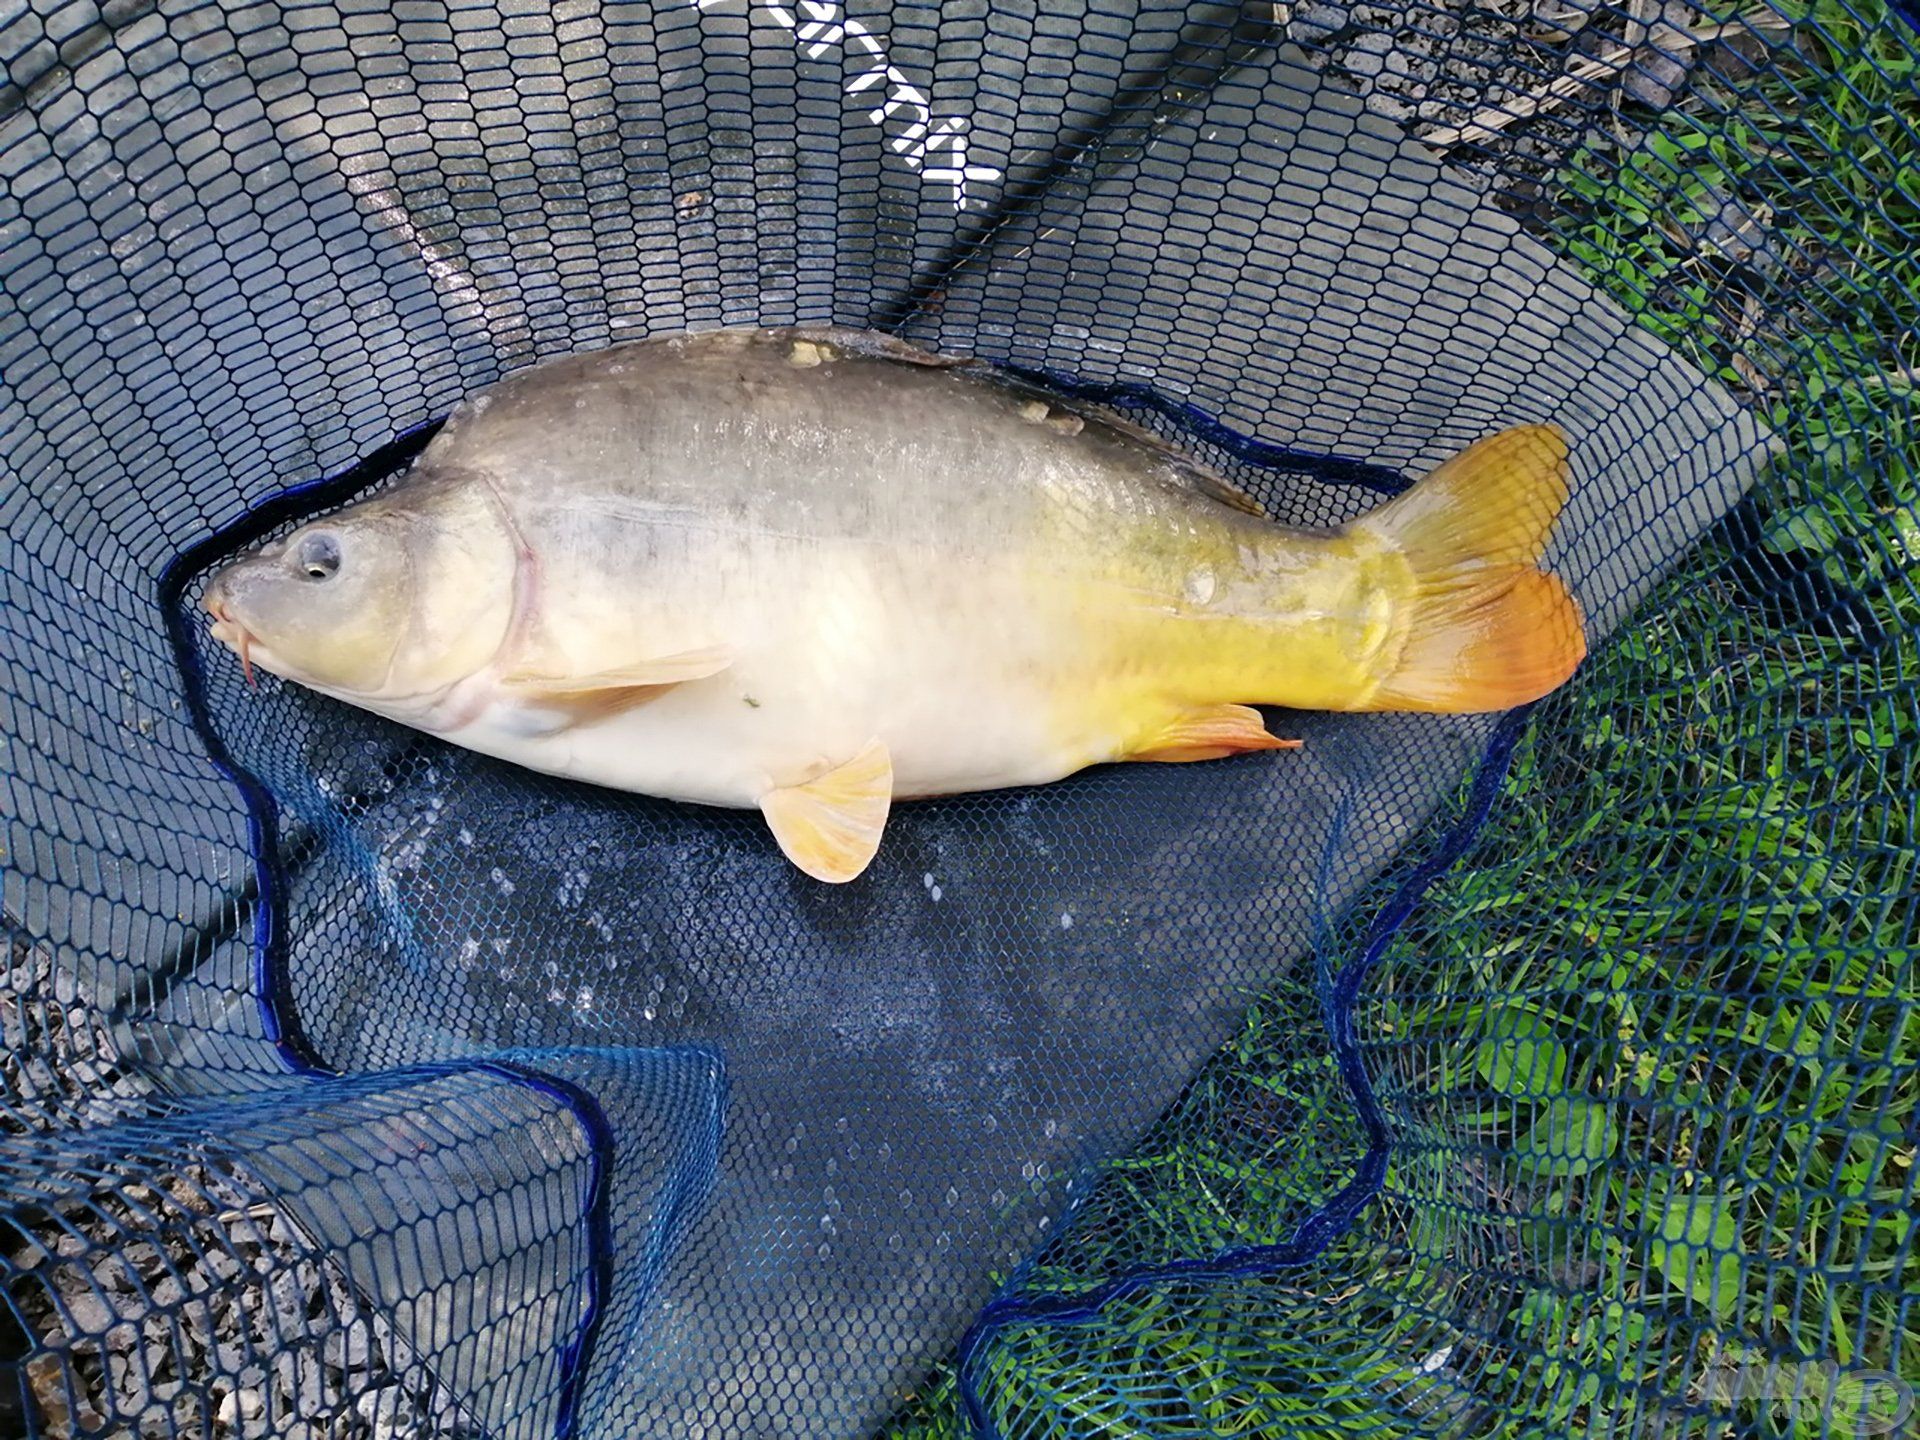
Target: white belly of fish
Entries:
(951, 667)
(729, 739)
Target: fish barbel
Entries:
(816, 571)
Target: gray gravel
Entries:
(169, 1301)
(1439, 70)
(57, 1063)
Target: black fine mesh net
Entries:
(1542, 1073)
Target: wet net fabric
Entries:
(355, 1081)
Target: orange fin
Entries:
(1487, 628)
(831, 827)
(1211, 733)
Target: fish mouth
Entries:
(235, 636)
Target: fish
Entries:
(814, 571)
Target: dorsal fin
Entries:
(1100, 419)
(876, 345)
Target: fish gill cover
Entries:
(361, 1085)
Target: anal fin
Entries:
(831, 826)
(1210, 733)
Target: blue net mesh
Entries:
(1540, 1074)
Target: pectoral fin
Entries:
(1210, 733)
(830, 827)
(603, 692)
(652, 670)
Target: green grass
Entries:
(1654, 1050)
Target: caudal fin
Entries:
(1489, 629)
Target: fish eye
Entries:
(319, 556)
